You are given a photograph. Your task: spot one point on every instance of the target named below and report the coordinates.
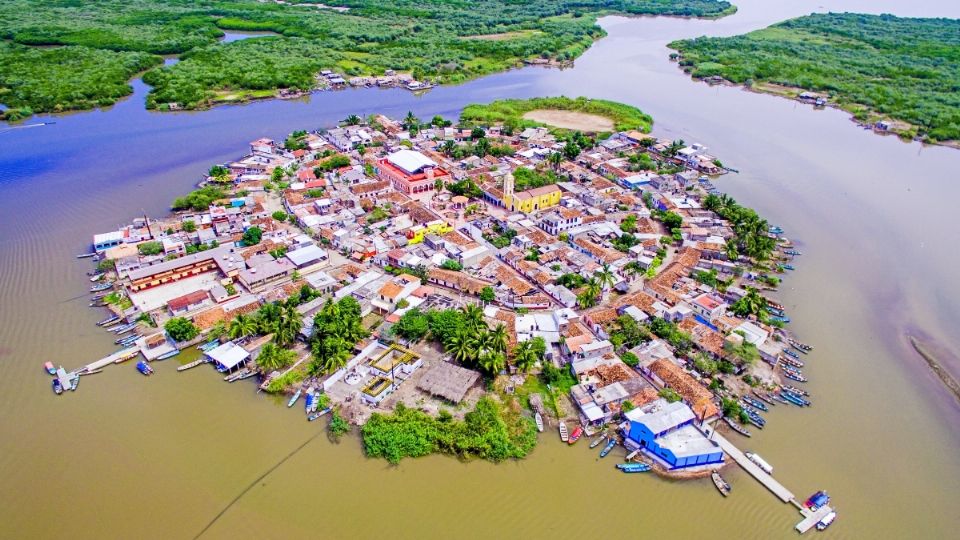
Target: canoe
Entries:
(575, 436)
(170, 354)
(86, 255)
(633, 467)
(295, 397)
(598, 441)
(564, 435)
(50, 368)
(316, 415)
(736, 427)
(539, 420)
(606, 449)
(722, 486)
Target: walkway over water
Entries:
(768, 481)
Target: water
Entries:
(127, 456)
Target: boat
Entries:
(792, 362)
(598, 441)
(817, 500)
(144, 368)
(74, 381)
(722, 486)
(295, 397)
(764, 397)
(50, 368)
(793, 376)
(774, 305)
(209, 346)
(125, 354)
(754, 403)
(775, 230)
(109, 320)
(170, 354)
(779, 398)
(759, 462)
(127, 340)
(564, 436)
(795, 399)
(826, 521)
(101, 287)
(795, 390)
(791, 354)
(778, 318)
(96, 277)
(86, 255)
(737, 427)
(575, 436)
(787, 267)
(193, 364)
(792, 252)
(802, 347)
(308, 402)
(539, 420)
(316, 415)
(606, 449)
(775, 311)
(57, 387)
(633, 467)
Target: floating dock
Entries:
(811, 518)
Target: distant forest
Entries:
(76, 54)
(875, 66)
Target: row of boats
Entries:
(311, 403)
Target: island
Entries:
(893, 74)
(459, 288)
(69, 55)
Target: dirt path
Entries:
(571, 120)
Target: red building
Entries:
(411, 172)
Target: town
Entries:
(598, 282)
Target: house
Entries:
(411, 172)
(668, 433)
(259, 277)
(308, 258)
(188, 302)
(531, 200)
(225, 259)
(394, 291)
(261, 146)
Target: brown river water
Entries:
(129, 457)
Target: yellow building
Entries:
(438, 227)
(533, 199)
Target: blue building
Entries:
(669, 434)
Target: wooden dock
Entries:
(812, 518)
(768, 481)
(115, 358)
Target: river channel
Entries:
(129, 457)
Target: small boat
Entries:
(295, 397)
(598, 441)
(575, 436)
(779, 398)
(209, 346)
(233, 377)
(803, 347)
(754, 403)
(86, 255)
(826, 521)
(792, 252)
(127, 340)
(793, 376)
(125, 354)
(818, 499)
(606, 449)
(737, 427)
(759, 462)
(109, 320)
(791, 354)
(74, 381)
(144, 368)
(795, 346)
(308, 402)
(101, 287)
(318, 414)
(774, 305)
(193, 364)
(96, 277)
(170, 354)
(50, 368)
(783, 319)
(539, 420)
(799, 401)
(775, 230)
(57, 387)
(721, 484)
(792, 362)
(775, 311)
(787, 267)
(764, 397)
(564, 436)
(633, 467)
(795, 390)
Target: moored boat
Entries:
(316, 415)
(633, 467)
(144, 368)
(101, 287)
(57, 387)
(792, 362)
(50, 368)
(764, 397)
(539, 420)
(564, 435)
(817, 500)
(737, 427)
(826, 521)
(598, 441)
(74, 381)
(754, 403)
(109, 320)
(759, 462)
(793, 376)
(296, 396)
(170, 354)
(575, 436)
(86, 255)
(791, 354)
(96, 277)
(209, 346)
(793, 252)
(722, 486)
(795, 390)
(606, 449)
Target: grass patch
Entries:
(510, 112)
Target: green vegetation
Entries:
(525, 178)
(377, 215)
(252, 236)
(413, 325)
(668, 331)
(871, 65)
(287, 380)
(451, 264)
(510, 112)
(669, 394)
(150, 248)
(752, 232)
(105, 42)
(338, 426)
(199, 199)
(336, 330)
(491, 431)
(181, 329)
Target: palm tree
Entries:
(524, 356)
(351, 120)
(474, 317)
(273, 357)
(605, 277)
(588, 298)
(555, 159)
(410, 120)
(288, 326)
(242, 325)
(448, 147)
(459, 346)
(498, 338)
(492, 362)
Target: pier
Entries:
(810, 517)
(195, 363)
